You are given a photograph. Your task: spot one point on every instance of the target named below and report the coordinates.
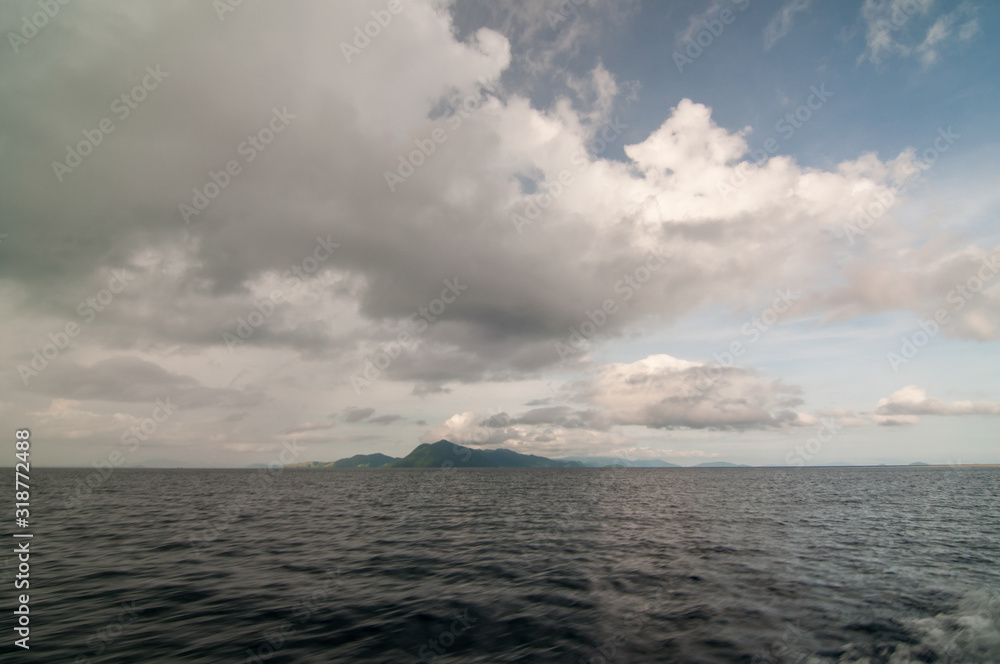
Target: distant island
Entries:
(444, 453)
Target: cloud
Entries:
(781, 24)
(386, 419)
(891, 24)
(906, 405)
(937, 34)
(308, 427)
(423, 389)
(354, 414)
(663, 392)
(545, 36)
(939, 280)
(451, 219)
(67, 419)
(657, 392)
(845, 417)
(696, 23)
(130, 379)
(684, 190)
(552, 440)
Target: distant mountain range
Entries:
(357, 461)
(444, 453)
(603, 462)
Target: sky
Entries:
(753, 231)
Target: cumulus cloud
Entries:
(905, 406)
(657, 392)
(395, 250)
(310, 261)
(663, 392)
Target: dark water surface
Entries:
(516, 565)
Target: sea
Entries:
(695, 565)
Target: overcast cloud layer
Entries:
(488, 222)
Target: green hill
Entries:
(446, 454)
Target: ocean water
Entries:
(514, 565)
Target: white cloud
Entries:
(891, 24)
(663, 392)
(598, 415)
(451, 219)
(781, 24)
(905, 406)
